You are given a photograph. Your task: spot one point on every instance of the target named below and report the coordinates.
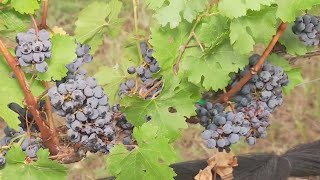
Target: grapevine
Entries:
(122, 81)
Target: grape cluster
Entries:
(222, 128)
(29, 145)
(83, 56)
(145, 82)
(87, 112)
(34, 49)
(264, 87)
(84, 105)
(252, 107)
(75, 69)
(307, 27)
(124, 124)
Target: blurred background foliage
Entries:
(296, 122)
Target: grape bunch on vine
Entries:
(226, 65)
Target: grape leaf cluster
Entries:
(307, 27)
(33, 49)
(145, 85)
(248, 115)
(30, 145)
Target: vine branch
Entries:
(292, 59)
(226, 96)
(307, 55)
(46, 133)
(43, 24)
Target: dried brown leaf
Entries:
(221, 163)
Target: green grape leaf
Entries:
(192, 8)
(115, 158)
(25, 6)
(212, 70)
(213, 31)
(11, 92)
(97, 19)
(63, 52)
(154, 4)
(145, 161)
(15, 154)
(111, 77)
(257, 27)
(292, 43)
(166, 43)
(294, 74)
(131, 52)
(295, 77)
(288, 10)
(279, 61)
(170, 123)
(170, 14)
(44, 168)
(12, 22)
(237, 8)
(4, 1)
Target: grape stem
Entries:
(50, 117)
(192, 35)
(226, 96)
(292, 59)
(60, 156)
(194, 45)
(144, 95)
(35, 26)
(4, 7)
(183, 47)
(311, 81)
(43, 94)
(135, 4)
(30, 100)
(28, 127)
(43, 24)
